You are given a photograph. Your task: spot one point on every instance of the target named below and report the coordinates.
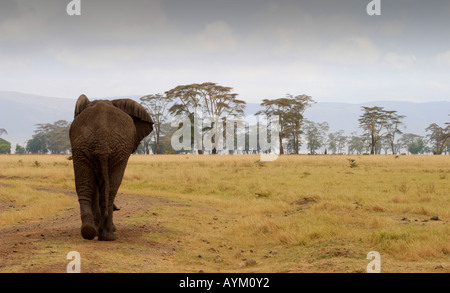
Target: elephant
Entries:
(103, 135)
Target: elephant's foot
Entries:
(107, 236)
(88, 231)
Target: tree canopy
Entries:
(315, 135)
(205, 100)
(290, 110)
(207, 106)
(156, 106)
(5, 146)
(376, 119)
(439, 136)
(50, 137)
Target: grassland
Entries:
(184, 213)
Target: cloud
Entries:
(99, 57)
(302, 29)
(16, 62)
(351, 51)
(400, 61)
(23, 20)
(393, 27)
(216, 36)
(46, 21)
(325, 48)
(443, 58)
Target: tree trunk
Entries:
(372, 147)
(281, 145)
(157, 144)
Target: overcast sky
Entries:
(330, 50)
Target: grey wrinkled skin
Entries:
(103, 136)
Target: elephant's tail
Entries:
(104, 197)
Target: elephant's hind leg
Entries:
(88, 231)
(86, 187)
(88, 226)
(115, 179)
(96, 209)
(105, 232)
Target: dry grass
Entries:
(22, 203)
(298, 213)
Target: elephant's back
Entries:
(102, 129)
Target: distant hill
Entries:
(19, 113)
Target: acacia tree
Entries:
(53, 137)
(280, 108)
(417, 147)
(384, 144)
(337, 141)
(439, 136)
(295, 118)
(206, 99)
(392, 128)
(356, 143)
(409, 139)
(219, 102)
(156, 106)
(167, 132)
(146, 141)
(315, 135)
(187, 103)
(37, 144)
(290, 111)
(5, 146)
(19, 149)
(374, 121)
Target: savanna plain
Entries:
(235, 213)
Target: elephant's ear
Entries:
(142, 120)
(82, 103)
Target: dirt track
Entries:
(42, 245)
